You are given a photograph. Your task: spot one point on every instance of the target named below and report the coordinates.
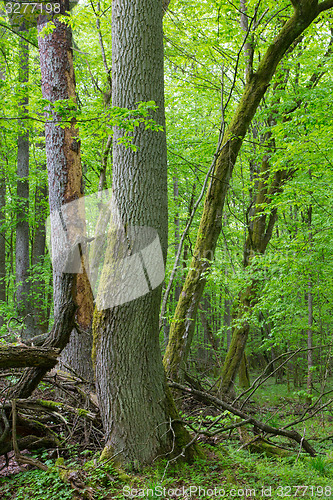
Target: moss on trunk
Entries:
(182, 326)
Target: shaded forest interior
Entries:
(166, 257)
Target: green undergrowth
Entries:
(229, 471)
(226, 473)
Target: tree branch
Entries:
(22, 356)
(206, 397)
(326, 5)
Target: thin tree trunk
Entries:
(136, 406)
(181, 332)
(310, 319)
(209, 339)
(2, 220)
(37, 256)
(102, 184)
(244, 376)
(248, 45)
(2, 238)
(309, 339)
(177, 232)
(227, 316)
(259, 235)
(176, 284)
(22, 224)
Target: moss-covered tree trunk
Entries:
(181, 333)
(136, 405)
(259, 234)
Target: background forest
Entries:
(248, 356)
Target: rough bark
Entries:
(22, 356)
(136, 406)
(65, 180)
(22, 222)
(181, 332)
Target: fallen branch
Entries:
(54, 406)
(258, 444)
(21, 356)
(58, 338)
(21, 459)
(208, 398)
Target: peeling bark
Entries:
(65, 176)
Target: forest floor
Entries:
(230, 470)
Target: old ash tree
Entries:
(136, 406)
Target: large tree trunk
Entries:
(65, 182)
(136, 405)
(22, 224)
(181, 333)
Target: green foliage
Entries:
(36, 484)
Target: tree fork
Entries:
(182, 327)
